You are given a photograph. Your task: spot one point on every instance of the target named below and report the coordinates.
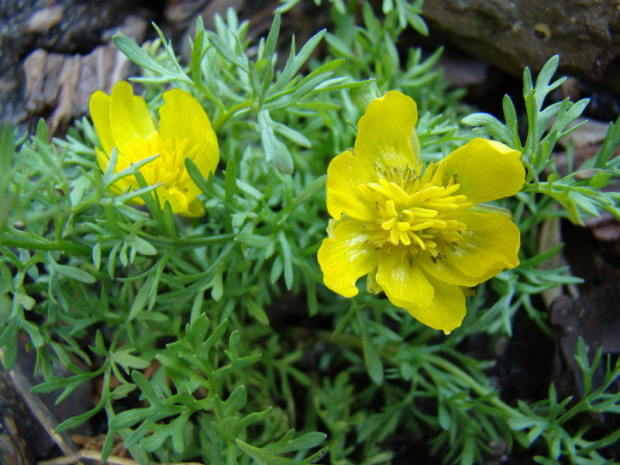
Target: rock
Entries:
(14, 429)
(61, 30)
(590, 132)
(592, 317)
(58, 86)
(513, 34)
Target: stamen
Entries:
(390, 208)
(418, 213)
(389, 224)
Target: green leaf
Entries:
(136, 54)
(374, 365)
(264, 456)
(251, 191)
(142, 246)
(546, 74)
(7, 151)
(275, 151)
(197, 331)
(73, 422)
(123, 391)
(72, 272)
(313, 188)
(303, 442)
(257, 311)
(128, 361)
(24, 300)
(287, 259)
(295, 62)
(153, 442)
(196, 175)
(8, 341)
(33, 332)
(291, 134)
(217, 334)
(145, 386)
(235, 402)
(252, 418)
(96, 254)
(177, 426)
(610, 143)
(228, 53)
(79, 187)
(217, 285)
(254, 240)
(269, 47)
(144, 294)
(230, 181)
(130, 417)
(491, 125)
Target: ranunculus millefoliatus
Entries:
(122, 121)
(421, 236)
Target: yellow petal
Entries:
(490, 245)
(182, 117)
(346, 256)
(402, 280)
(129, 117)
(177, 200)
(100, 112)
(372, 286)
(486, 170)
(345, 193)
(385, 133)
(446, 311)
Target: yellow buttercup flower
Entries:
(122, 121)
(420, 235)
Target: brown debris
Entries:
(593, 317)
(605, 228)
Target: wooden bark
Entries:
(513, 34)
(14, 419)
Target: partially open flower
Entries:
(122, 121)
(420, 236)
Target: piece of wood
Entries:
(513, 34)
(14, 435)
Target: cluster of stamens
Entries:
(421, 216)
(169, 168)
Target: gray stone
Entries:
(513, 34)
(65, 29)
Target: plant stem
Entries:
(29, 244)
(478, 388)
(219, 122)
(355, 342)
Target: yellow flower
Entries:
(122, 121)
(420, 236)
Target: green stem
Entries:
(478, 388)
(60, 245)
(220, 120)
(189, 242)
(354, 342)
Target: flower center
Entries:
(168, 168)
(424, 217)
